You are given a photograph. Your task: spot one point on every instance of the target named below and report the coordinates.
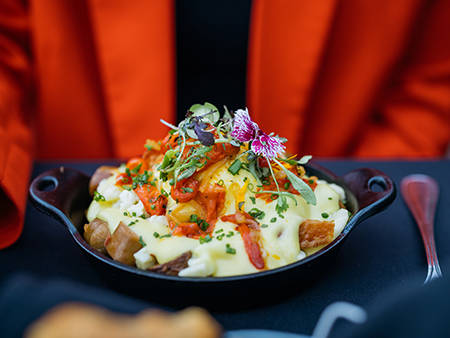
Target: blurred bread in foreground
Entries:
(74, 320)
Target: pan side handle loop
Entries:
(61, 193)
(373, 189)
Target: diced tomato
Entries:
(241, 217)
(284, 184)
(251, 245)
(312, 182)
(154, 202)
(220, 151)
(169, 142)
(262, 162)
(212, 199)
(249, 230)
(185, 190)
(135, 162)
(191, 230)
(123, 179)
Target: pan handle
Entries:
(373, 189)
(61, 193)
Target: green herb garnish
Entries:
(142, 241)
(256, 213)
(229, 249)
(99, 197)
(205, 239)
(230, 233)
(235, 167)
(298, 184)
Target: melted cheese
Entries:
(279, 239)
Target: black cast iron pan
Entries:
(63, 193)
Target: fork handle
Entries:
(421, 193)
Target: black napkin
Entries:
(413, 312)
(24, 298)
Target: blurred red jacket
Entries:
(92, 78)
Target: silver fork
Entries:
(421, 193)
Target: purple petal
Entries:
(244, 129)
(267, 146)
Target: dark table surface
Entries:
(382, 253)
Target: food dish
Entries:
(216, 197)
(63, 193)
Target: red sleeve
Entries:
(15, 123)
(414, 116)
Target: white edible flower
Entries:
(109, 191)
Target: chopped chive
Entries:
(142, 241)
(235, 167)
(203, 225)
(99, 197)
(187, 190)
(165, 236)
(256, 213)
(287, 185)
(325, 215)
(253, 200)
(229, 249)
(155, 234)
(136, 169)
(205, 239)
(273, 220)
(330, 198)
(193, 218)
(264, 225)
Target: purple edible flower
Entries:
(245, 130)
(267, 146)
